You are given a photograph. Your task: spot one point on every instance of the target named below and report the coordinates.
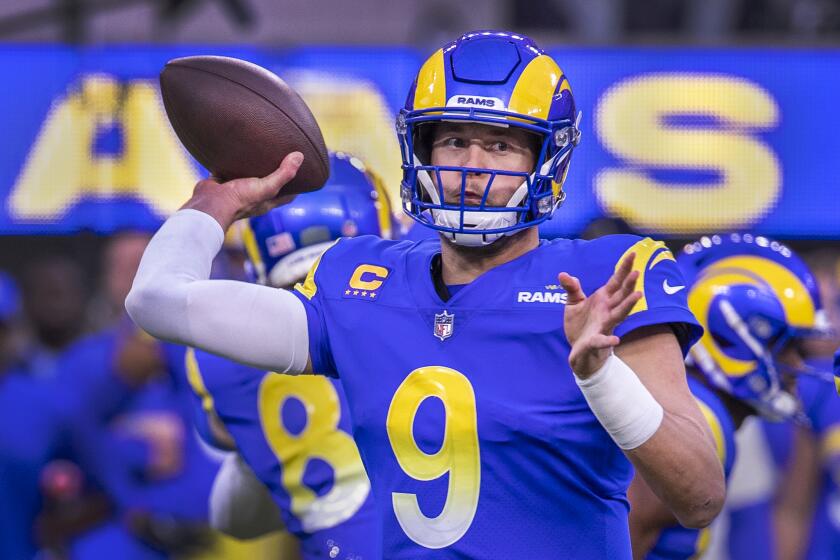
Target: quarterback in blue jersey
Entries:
(294, 432)
(500, 386)
(756, 301)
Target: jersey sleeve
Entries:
(664, 292)
(310, 293)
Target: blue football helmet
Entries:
(499, 79)
(284, 243)
(837, 371)
(753, 297)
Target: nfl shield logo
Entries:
(444, 323)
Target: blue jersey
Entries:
(823, 411)
(677, 542)
(751, 527)
(294, 433)
(476, 438)
(40, 415)
(116, 459)
(31, 430)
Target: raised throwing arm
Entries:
(172, 298)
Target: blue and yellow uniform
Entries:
(474, 433)
(294, 433)
(754, 297)
(824, 414)
(679, 543)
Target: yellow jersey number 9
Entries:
(458, 455)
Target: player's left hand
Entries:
(589, 321)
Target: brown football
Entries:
(240, 120)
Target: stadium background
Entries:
(698, 117)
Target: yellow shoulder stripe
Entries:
(197, 382)
(308, 287)
(645, 249)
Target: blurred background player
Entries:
(55, 296)
(805, 505)
(757, 302)
(128, 428)
(30, 433)
(786, 488)
(293, 432)
(779, 493)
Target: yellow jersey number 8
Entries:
(320, 438)
(458, 454)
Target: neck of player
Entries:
(462, 265)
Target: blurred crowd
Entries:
(609, 21)
(98, 458)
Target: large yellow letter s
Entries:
(631, 123)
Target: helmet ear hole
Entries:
(722, 342)
(424, 134)
(535, 144)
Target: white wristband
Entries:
(622, 404)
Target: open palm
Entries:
(589, 321)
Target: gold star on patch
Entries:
(373, 295)
(364, 294)
(355, 292)
(346, 292)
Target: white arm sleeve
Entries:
(240, 505)
(172, 299)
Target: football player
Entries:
(294, 432)
(127, 420)
(825, 542)
(797, 517)
(806, 513)
(756, 301)
(497, 404)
